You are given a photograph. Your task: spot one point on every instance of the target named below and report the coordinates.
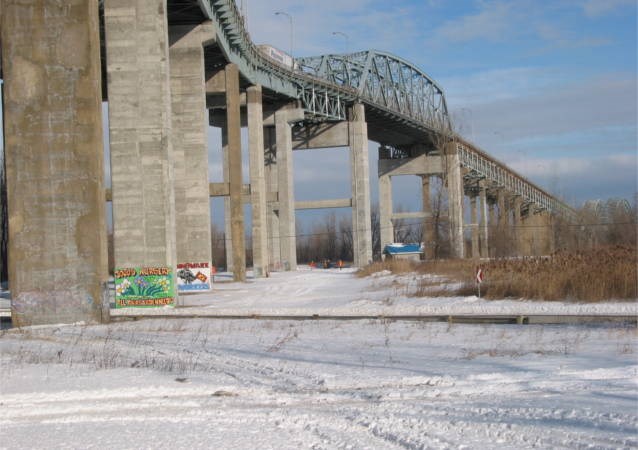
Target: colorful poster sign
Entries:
(194, 277)
(144, 287)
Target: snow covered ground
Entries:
(244, 384)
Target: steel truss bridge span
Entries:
(405, 108)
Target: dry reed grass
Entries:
(608, 273)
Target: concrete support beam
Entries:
(411, 215)
(420, 165)
(287, 232)
(323, 135)
(429, 233)
(474, 227)
(361, 225)
(455, 200)
(323, 204)
(233, 129)
(385, 211)
(54, 153)
(257, 181)
(483, 224)
(189, 140)
(140, 133)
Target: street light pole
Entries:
(282, 13)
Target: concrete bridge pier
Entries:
(455, 200)
(257, 181)
(361, 225)
(272, 208)
(517, 226)
(429, 232)
(233, 152)
(474, 226)
(140, 114)
(54, 154)
(483, 224)
(189, 140)
(385, 210)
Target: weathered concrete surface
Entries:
(324, 135)
(360, 178)
(272, 206)
(233, 126)
(287, 232)
(54, 153)
(474, 227)
(257, 181)
(483, 224)
(385, 210)
(455, 200)
(189, 140)
(419, 165)
(140, 133)
(429, 233)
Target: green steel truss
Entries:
(388, 85)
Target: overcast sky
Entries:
(549, 87)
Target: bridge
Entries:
(166, 67)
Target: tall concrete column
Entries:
(360, 178)
(228, 229)
(475, 227)
(455, 200)
(501, 243)
(257, 181)
(189, 140)
(54, 153)
(287, 233)
(493, 229)
(518, 226)
(385, 211)
(484, 233)
(428, 225)
(140, 134)
(233, 127)
(272, 193)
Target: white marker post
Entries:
(479, 279)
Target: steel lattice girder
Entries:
(385, 81)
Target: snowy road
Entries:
(245, 384)
(252, 384)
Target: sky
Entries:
(548, 87)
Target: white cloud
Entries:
(494, 22)
(597, 8)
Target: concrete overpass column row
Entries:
(233, 127)
(360, 177)
(257, 180)
(502, 234)
(483, 225)
(54, 153)
(190, 149)
(429, 232)
(287, 234)
(140, 133)
(493, 229)
(385, 210)
(455, 200)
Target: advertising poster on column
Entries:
(144, 287)
(194, 277)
